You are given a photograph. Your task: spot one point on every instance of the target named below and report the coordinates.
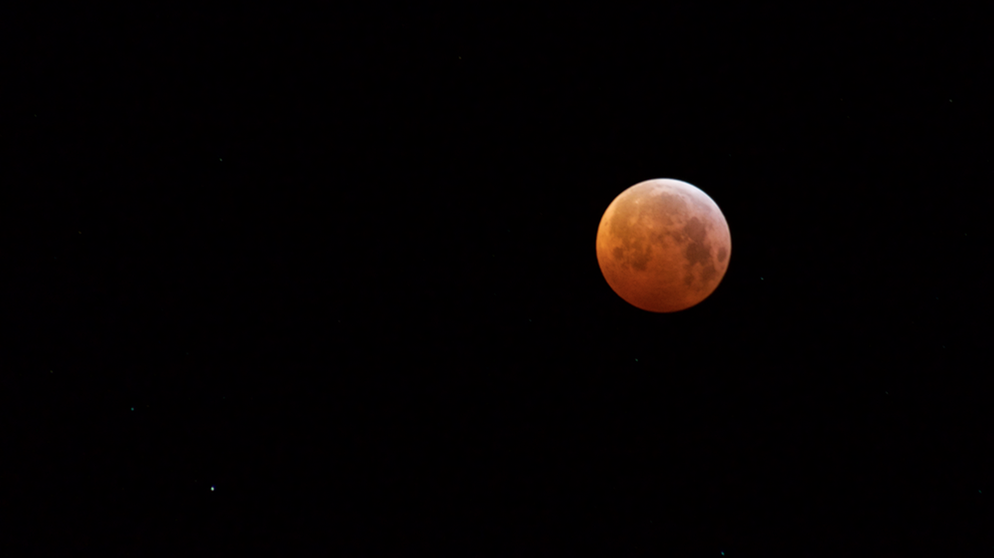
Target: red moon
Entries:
(663, 245)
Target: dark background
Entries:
(339, 265)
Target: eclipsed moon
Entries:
(663, 245)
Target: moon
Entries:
(663, 245)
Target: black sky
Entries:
(339, 265)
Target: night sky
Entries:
(323, 282)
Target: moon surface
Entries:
(663, 245)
